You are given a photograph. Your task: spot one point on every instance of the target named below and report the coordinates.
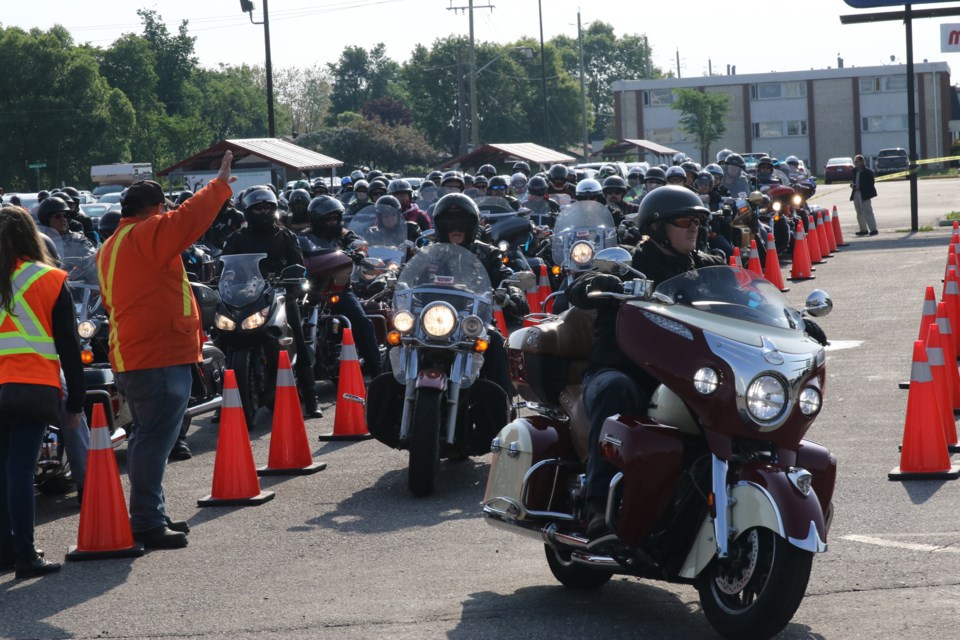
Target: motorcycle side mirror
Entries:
(818, 303)
(524, 280)
(292, 272)
(615, 260)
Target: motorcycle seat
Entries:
(569, 337)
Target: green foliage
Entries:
(702, 116)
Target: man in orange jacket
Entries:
(155, 335)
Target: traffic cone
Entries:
(941, 387)
(928, 317)
(500, 320)
(736, 254)
(837, 231)
(951, 297)
(771, 268)
(822, 235)
(924, 453)
(349, 422)
(235, 480)
(734, 261)
(828, 226)
(813, 242)
(951, 260)
(104, 522)
(800, 267)
(949, 353)
(544, 289)
(754, 262)
(955, 234)
(533, 299)
(289, 449)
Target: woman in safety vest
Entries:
(38, 337)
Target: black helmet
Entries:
(765, 160)
(590, 189)
(399, 186)
(326, 217)
(260, 195)
(452, 177)
(704, 179)
(468, 179)
(299, 200)
(636, 173)
(319, 185)
(722, 155)
(689, 166)
(108, 224)
(72, 193)
(487, 171)
(655, 174)
(15, 200)
(480, 181)
(456, 212)
(557, 173)
(606, 171)
(183, 196)
(521, 167)
(376, 186)
(435, 176)
(668, 203)
(675, 172)
(497, 183)
(736, 160)
(614, 183)
(42, 195)
(387, 204)
(376, 173)
(49, 206)
(537, 186)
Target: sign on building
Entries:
(950, 38)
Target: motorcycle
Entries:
(716, 485)
(434, 403)
(251, 326)
(580, 231)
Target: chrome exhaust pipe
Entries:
(204, 407)
(593, 560)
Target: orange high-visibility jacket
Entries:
(27, 352)
(154, 321)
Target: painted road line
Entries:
(896, 544)
(837, 345)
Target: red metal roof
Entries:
(272, 149)
(526, 151)
(625, 145)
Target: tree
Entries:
(304, 94)
(360, 76)
(175, 61)
(703, 116)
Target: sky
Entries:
(756, 37)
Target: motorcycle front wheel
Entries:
(755, 592)
(247, 366)
(425, 442)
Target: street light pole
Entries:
(247, 7)
(583, 93)
(474, 117)
(543, 76)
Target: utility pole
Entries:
(474, 116)
(583, 93)
(543, 76)
(247, 7)
(678, 63)
(460, 118)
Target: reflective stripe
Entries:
(100, 439)
(348, 352)
(187, 295)
(285, 377)
(30, 336)
(920, 372)
(231, 398)
(935, 356)
(106, 289)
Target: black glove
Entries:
(605, 282)
(813, 330)
(356, 256)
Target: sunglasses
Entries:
(58, 215)
(684, 223)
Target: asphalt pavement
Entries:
(349, 553)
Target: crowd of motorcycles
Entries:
(716, 486)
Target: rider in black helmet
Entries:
(557, 177)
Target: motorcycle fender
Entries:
(431, 379)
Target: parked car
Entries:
(892, 161)
(110, 198)
(27, 200)
(95, 210)
(751, 159)
(838, 170)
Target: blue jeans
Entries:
(607, 392)
(158, 399)
(76, 441)
(364, 335)
(20, 440)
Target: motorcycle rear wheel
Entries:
(755, 593)
(250, 376)
(573, 575)
(424, 445)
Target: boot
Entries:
(32, 564)
(597, 514)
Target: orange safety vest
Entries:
(27, 352)
(154, 321)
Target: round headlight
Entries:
(766, 398)
(809, 401)
(472, 326)
(706, 381)
(504, 246)
(438, 320)
(797, 200)
(776, 206)
(403, 321)
(224, 323)
(581, 252)
(86, 329)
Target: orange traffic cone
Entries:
(949, 353)
(500, 320)
(104, 523)
(951, 260)
(924, 453)
(813, 242)
(928, 317)
(771, 267)
(800, 267)
(828, 226)
(533, 299)
(955, 235)
(951, 297)
(736, 254)
(235, 480)
(544, 289)
(734, 261)
(941, 387)
(349, 422)
(822, 235)
(289, 449)
(754, 262)
(837, 231)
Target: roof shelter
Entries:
(501, 153)
(640, 147)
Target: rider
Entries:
(692, 169)
(670, 218)
(518, 185)
(497, 187)
(765, 174)
(557, 176)
(403, 192)
(79, 221)
(734, 176)
(298, 201)
(54, 213)
(676, 175)
(391, 229)
(361, 199)
(227, 221)
(521, 167)
(537, 193)
(487, 171)
(326, 230)
(457, 220)
(263, 234)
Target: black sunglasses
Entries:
(684, 223)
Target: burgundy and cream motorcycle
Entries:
(716, 486)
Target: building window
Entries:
(666, 135)
(876, 84)
(895, 83)
(796, 127)
(895, 123)
(776, 90)
(767, 129)
(657, 97)
(869, 85)
(871, 123)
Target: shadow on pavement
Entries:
(922, 490)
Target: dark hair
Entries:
(19, 239)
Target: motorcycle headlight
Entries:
(776, 206)
(87, 329)
(766, 398)
(797, 200)
(403, 321)
(439, 320)
(472, 326)
(581, 252)
(504, 246)
(224, 323)
(706, 381)
(809, 401)
(255, 320)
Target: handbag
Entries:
(37, 402)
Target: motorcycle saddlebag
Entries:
(521, 445)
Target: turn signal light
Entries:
(334, 299)
(86, 357)
(480, 345)
(505, 259)
(393, 338)
(555, 270)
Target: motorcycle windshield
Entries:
(383, 242)
(731, 292)
(582, 221)
(240, 280)
(444, 271)
(491, 205)
(79, 260)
